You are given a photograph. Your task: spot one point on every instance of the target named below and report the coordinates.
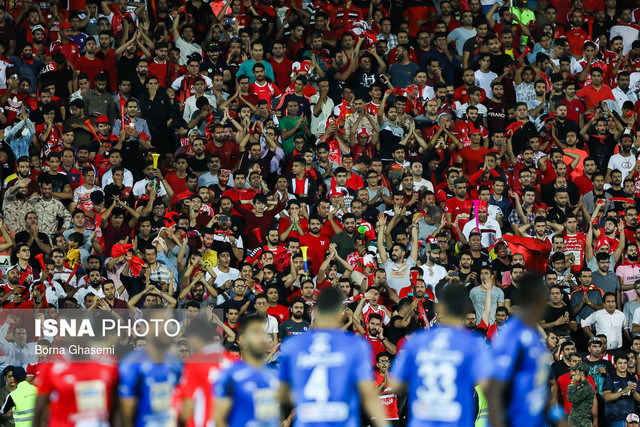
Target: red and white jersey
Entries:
(461, 131)
(80, 393)
(388, 399)
(33, 370)
(266, 92)
(367, 311)
(598, 63)
(372, 108)
(201, 371)
(575, 244)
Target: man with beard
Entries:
(195, 291)
(27, 66)
(296, 324)
(23, 172)
(623, 161)
(213, 63)
(272, 245)
(225, 238)
(198, 162)
(99, 101)
(108, 56)
(94, 287)
(109, 292)
(346, 240)
(89, 63)
(496, 107)
(395, 265)
(488, 228)
(629, 273)
(317, 244)
(226, 149)
(622, 92)
(374, 334)
(163, 187)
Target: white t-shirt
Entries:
(623, 164)
(107, 178)
(483, 80)
(490, 231)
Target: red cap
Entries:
(102, 118)
(473, 129)
(65, 25)
(482, 206)
(540, 206)
(335, 192)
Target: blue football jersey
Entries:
(254, 392)
(152, 384)
(522, 361)
(440, 368)
(323, 368)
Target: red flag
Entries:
(536, 252)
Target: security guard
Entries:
(22, 400)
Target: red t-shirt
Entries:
(282, 72)
(90, 66)
(472, 159)
(388, 399)
(318, 247)
(78, 391)
(563, 384)
(200, 372)
(266, 92)
(178, 185)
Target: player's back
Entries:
(441, 367)
(522, 362)
(200, 372)
(80, 391)
(151, 383)
(323, 368)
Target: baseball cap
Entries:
(38, 27)
(583, 367)
(65, 25)
(633, 418)
(432, 247)
(14, 266)
(214, 47)
(441, 115)
(482, 206)
(595, 340)
(102, 118)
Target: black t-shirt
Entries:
(601, 149)
(362, 82)
(559, 368)
(23, 237)
(198, 165)
(395, 334)
(289, 327)
(496, 114)
(552, 314)
(59, 181)
(513, 294)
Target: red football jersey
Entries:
(79, 392)
(200, 373)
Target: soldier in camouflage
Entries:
(580, 393)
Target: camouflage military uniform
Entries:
(581, 397)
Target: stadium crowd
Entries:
(233, 161)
